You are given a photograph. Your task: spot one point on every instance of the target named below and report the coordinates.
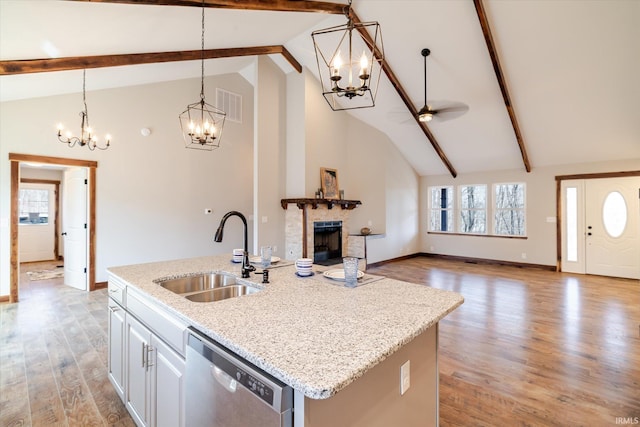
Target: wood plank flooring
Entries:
(531, 347)
(53, 357)
(528, 347)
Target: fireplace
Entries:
(327, 242)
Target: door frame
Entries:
(560, 207)
(15, 159)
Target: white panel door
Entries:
(74, 227)
(612, 222)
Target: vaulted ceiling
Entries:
(568, 69)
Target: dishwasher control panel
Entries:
(253, 384)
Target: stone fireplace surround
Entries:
(299, 223)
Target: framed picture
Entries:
(329, 183)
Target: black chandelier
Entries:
(202, 123)
(351, 82)
(87, 136)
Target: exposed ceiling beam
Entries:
(26, 66)
(405, 98)
(272, 5)
(486, 30)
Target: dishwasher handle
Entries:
(224, 379)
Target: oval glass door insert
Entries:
(614, 214)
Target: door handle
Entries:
(64, 233)
(589, 234)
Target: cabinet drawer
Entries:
(117, 291)
(163, 324)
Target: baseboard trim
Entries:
(101, 285)
(467, 260)
(4, 298)
(470, 260)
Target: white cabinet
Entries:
(116, 363)
(146, 372)
(138, 389)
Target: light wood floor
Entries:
(53, 357)
(531, 347)
(528, 347)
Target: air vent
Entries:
(230, 103)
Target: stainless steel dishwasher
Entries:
(223, 390)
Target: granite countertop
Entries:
(314, 336)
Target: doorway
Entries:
(16, 160)
(599, 225)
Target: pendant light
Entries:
(349, 63)
(87, 135)
(202, 123)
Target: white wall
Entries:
(370, 169)
(151, 192)
(270, 155)
(540, 245)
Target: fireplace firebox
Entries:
(327, 242)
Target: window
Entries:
(441, 208)
(473, 209)
(33, 205)
(509, 209)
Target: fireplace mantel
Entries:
(344, 204)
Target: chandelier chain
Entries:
(202, 57)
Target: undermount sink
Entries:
(207, 287)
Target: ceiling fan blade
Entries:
(449, 110)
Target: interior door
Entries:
(612, 227)
(74, 227)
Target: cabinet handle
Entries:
(113, 291)
(149, 356)
(144, 355)
(114, 308)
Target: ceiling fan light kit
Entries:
(349, 64)
(202, 123)
(87, 135)
(443, 111)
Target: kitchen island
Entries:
(332, 344)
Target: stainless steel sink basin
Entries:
(218, 294)
(207, 287)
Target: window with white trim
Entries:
(509, 209)
(473, 209)
(441, 209)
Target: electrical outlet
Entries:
(405, 377)
(524, 255)
(369, 223)
(275, 249)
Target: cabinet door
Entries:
(138, 389)
(169, 369)
(116, 347)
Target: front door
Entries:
(612, 227)
(601, 226)
(74, 226)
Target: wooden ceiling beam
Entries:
(267, 5)
(27, 66)
(405, 98)
(495, 60)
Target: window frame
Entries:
(451, 211)
(460, 210)
(497, 209)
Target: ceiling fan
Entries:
(439, 110)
